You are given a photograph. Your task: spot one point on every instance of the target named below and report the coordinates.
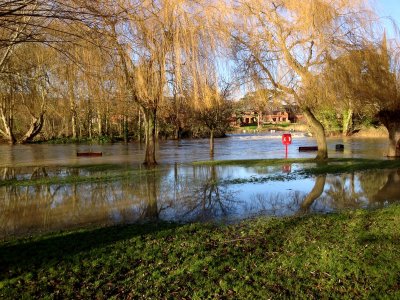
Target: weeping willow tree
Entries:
(34, 34)
(348, 78)
(157, 41)
(25, 93)
(384, 96)
(366, 80)
(286, 43)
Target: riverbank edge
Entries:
(352, 254)
(365, 132)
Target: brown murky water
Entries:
(170, 152)
(177, 191)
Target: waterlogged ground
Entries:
(46, 187)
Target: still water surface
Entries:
(176, 190)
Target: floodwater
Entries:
(176, 190)
(239, 146)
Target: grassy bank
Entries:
(104, 139)
(349, 255)
(268, 127)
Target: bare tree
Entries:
(215, 111)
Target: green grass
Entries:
(249, 127)
(348, 255)
(104, 139)
(266, 126)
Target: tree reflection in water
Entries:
(176, 194)
(47, 207)
(366, 189)
(287, 202)
(314, 194)
(208, 198)
(390, 191)
(273, 204)
(343, 193)
(152, 188)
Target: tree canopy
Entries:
(132, 65)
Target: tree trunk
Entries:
(150, 134)
(212, 143)
(176, 132)
(72, 107)
(106, 122)
(394, 140)
(391, 120)
(140, 127)
(347, 125)
(126, 129)
(34, 129)
(319, 131)
(90, 126)
(259, 116)
(7, 124)
(99, 122)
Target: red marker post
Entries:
(286, 140)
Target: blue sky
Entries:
(388, 8)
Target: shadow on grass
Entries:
(48, 250)
(294, 257)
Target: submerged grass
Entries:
(312, 166)
(263, 179)
(350, 166)
(95, 173)
(66, 180)
(252, 162)
(308, 167)
(348, 255)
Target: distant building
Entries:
(249, 117)
(285, 114)
(275, 117)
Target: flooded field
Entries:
(121, 192)
(239, 146)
